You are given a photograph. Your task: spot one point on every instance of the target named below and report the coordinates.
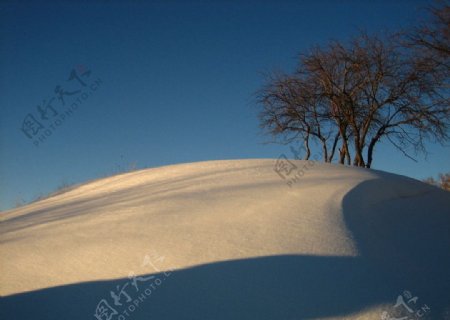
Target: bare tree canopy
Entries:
(350, 96)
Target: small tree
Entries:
(442, 182)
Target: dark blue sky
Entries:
(177, 82)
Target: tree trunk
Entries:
(344, 154)
(371, 147)
(347, 155)
(324, 149)
(341, 155)
(358, 161)
(370, 153)
(308, 150)
(372, 144)
(333, 149)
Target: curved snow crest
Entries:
(207, 212)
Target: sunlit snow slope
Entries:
(230, 240)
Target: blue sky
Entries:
(175, 82)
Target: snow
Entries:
(230, 240)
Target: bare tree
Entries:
(359, 93)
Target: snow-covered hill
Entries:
(231, 240)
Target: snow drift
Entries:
(231, 240)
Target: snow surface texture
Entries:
(230, 240)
